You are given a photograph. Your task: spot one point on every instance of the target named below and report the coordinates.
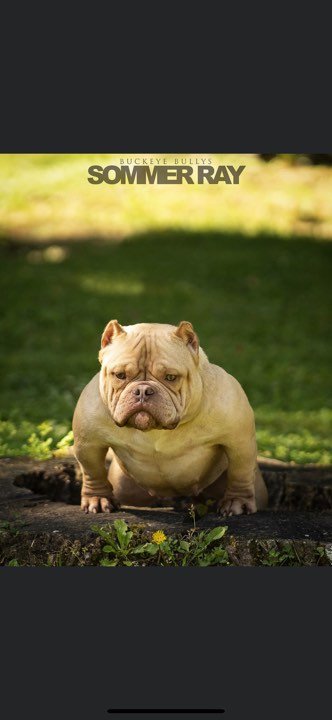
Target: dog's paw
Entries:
(94, 504)
(237, 506)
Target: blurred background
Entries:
(248, 265)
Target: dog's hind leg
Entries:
(216, 490)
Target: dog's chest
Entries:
(165, 464)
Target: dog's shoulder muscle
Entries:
(91, 415)
(226, 406)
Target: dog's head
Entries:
(150, 375)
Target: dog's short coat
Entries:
(177, 424)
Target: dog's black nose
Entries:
(143, 391)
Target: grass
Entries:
(136, 546)
(47, 198)
(252, 271)
(123, 546)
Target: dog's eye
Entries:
(170, 378)
(120, 375)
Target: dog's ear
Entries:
(186, 332)
(112, 330)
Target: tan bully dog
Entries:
(177, 425)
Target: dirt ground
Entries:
(41, 521)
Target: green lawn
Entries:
(260, 302)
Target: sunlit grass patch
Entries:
(300, 436)
(47, 197)
(37, 440)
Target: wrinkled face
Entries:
(149, 376)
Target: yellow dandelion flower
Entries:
(159, 537)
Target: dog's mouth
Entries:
(142, 420)
(148, 413)
(139, 418)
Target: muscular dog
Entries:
(177, 424)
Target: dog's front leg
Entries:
(239, 495)
(96, 489)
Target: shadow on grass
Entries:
(261, 306)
